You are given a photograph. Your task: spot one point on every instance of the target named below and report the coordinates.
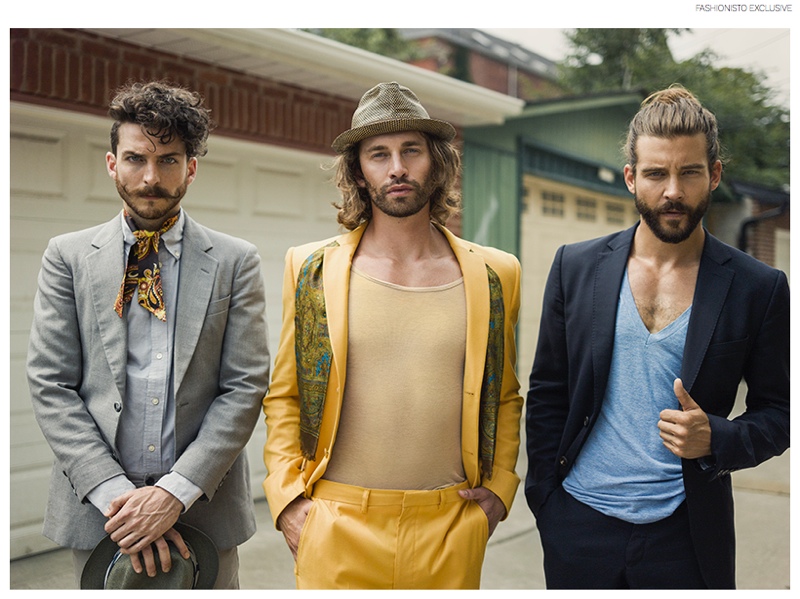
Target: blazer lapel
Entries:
(107, 265)
(608, 278)
(336, 281)
(476, 291)
(713, 282)
(198, 272)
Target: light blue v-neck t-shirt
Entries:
(624, 470)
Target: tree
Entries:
(386, 42)
(753, 129)
(618, 59)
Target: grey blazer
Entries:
(76, 372)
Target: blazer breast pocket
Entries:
(727, 348)
(217, 306)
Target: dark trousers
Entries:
(584, 549)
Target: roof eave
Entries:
(310, 61)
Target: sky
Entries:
(763, 50)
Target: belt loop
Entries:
(441, 498)
(364, 501)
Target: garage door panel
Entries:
(37, 146)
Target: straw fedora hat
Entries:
(390, 108)
(107, 568)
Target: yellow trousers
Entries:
(356, 538)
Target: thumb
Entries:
(686, 401)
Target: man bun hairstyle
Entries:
(163, 111)
(669, 113)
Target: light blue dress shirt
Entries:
(146, 434)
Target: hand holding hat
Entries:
(108, 568)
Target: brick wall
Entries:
(440, 56)
(761, 239)
(76, 70)
(488, 73)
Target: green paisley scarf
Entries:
(313, 357)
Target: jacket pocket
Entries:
(217, 306)
(727, 347)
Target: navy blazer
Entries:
(738, 329)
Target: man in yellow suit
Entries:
(393, 414)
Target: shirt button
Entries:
(151, 448)
(155, 401)
(159, 356)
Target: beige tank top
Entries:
(400, 426)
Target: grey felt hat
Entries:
(390, 108)
(107, 568)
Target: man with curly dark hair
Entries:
(148, 356)
(397, 342)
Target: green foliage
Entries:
(386, 42)
(753, 129)
(614, 59)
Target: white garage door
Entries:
(274, 197)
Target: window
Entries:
(615, 213)
(552, 204)
(587, 209)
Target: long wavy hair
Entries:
(669, 113)
(163, 111)
(356, 205)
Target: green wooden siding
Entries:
(491, 192)
(547, 162)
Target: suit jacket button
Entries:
(586, 421)
(563, 461)
(117, 407)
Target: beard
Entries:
(673, 232)
(148, 209)
(409, 205)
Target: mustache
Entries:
(401, 181)
(671, 206)
(153, 191)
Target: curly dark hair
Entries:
(356, 205)
(163, 110)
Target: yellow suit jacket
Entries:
(289, 475)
